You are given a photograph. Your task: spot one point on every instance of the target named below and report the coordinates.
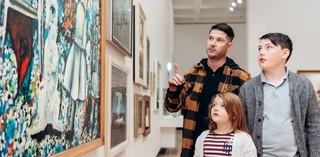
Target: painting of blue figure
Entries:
(50, 72)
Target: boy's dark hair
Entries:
(279, 39)
(224, 28)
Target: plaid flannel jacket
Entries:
(185, 96)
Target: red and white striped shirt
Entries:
(218, 144)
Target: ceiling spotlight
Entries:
(233, 4)
(239, 1)
(231, 8)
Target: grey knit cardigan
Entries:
(305, 113)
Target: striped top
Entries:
(218, 144)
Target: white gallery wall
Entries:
(190, 42)
(159, 29)
(296, 18)
(287, 16)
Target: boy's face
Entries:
(271, 56)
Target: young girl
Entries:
(228, 131)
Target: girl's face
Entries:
(218, 112)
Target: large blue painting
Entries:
(50, 70)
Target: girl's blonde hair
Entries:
(233, 106)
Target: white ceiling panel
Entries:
(208, 11)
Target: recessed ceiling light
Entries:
(231, 8)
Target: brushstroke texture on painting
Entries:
(40, 114)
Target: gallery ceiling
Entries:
(208, 11)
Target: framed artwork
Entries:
(314, 77)
(158, 86)
(118, 124)
(146, 115)
(119, 25)
(52, 68)
(133, 16)
(148, 64)
(153, 76)
(152, 82)
(140, 57)
(156, 77)
(138, 114)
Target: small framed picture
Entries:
(119, 27)
(118, 124)
(140, 54)
(146, 116)
(138, 114)
(314, 77)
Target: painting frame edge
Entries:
(120, 147)
(146, 120)
(147, 85)
(110, 35)
(316, 85)
(137, 60)
(138, 130)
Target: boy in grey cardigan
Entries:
(282, 110)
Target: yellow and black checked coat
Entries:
(185, 97)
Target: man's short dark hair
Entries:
(224, 28)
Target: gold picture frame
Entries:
(138, 114)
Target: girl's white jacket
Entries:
(243, 145)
